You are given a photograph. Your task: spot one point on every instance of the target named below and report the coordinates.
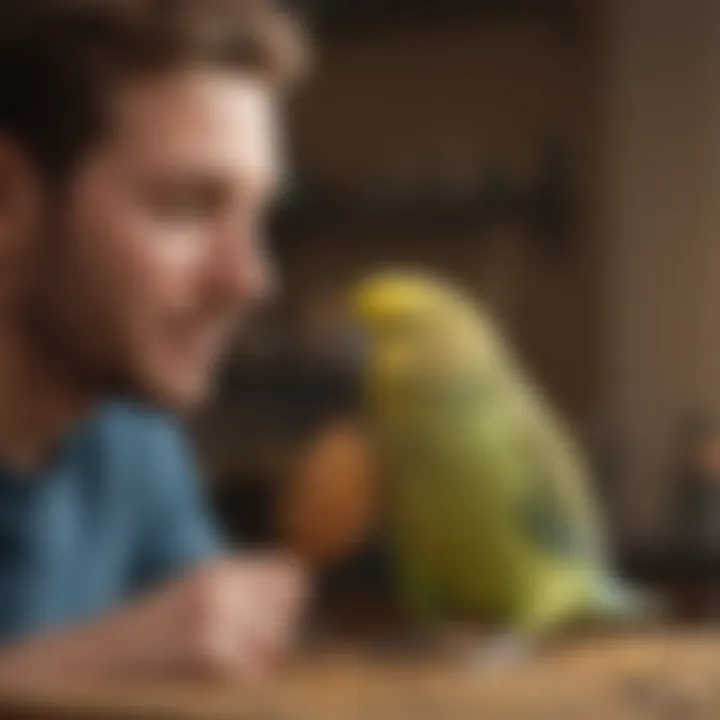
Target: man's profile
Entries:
(139, 152)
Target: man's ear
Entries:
(20, 198)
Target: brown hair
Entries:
(59, 59)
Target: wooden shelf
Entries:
(331, 18)
(545, 208)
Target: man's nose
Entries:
(243, 270)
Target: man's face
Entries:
(159, 249)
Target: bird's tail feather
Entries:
(615, 600)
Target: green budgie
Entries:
(490, 509)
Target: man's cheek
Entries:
(173, 247)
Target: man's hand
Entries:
(235, 618)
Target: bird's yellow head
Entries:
(418, 325)
(386, 299)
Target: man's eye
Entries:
(185, 203)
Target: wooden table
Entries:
(653, 675)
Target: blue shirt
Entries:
(117, 511)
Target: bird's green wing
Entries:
(555, 506)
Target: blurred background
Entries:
(559, 158)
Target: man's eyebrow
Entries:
(250, 183)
